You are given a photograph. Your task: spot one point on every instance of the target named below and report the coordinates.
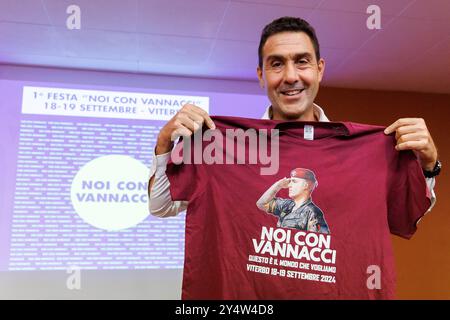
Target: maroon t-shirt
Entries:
(332, 244)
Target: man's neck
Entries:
(310, 115)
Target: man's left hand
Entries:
(413, 134)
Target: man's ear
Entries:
(321, 68)
(260, 76)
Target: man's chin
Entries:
(293, 112)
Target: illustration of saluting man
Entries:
(299, 211)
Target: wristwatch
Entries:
(436, 170)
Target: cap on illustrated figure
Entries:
(304, 174)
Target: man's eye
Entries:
(303, 61)
(276, 64)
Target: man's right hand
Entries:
(189, 119)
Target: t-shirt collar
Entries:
(341, 127)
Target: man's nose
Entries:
(290, 75)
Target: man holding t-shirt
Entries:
(290, 69)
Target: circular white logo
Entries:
(110, 192)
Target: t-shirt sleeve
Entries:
(187, 179)
(408, 194)
(277, 206)
(274, 207)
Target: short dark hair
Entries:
(284, 24)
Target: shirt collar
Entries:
(318, 113)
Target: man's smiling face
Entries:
(291, 75)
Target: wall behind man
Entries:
(423, 263)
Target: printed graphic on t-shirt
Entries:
(298, 212)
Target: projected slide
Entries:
(81, 182)
(77, 159)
